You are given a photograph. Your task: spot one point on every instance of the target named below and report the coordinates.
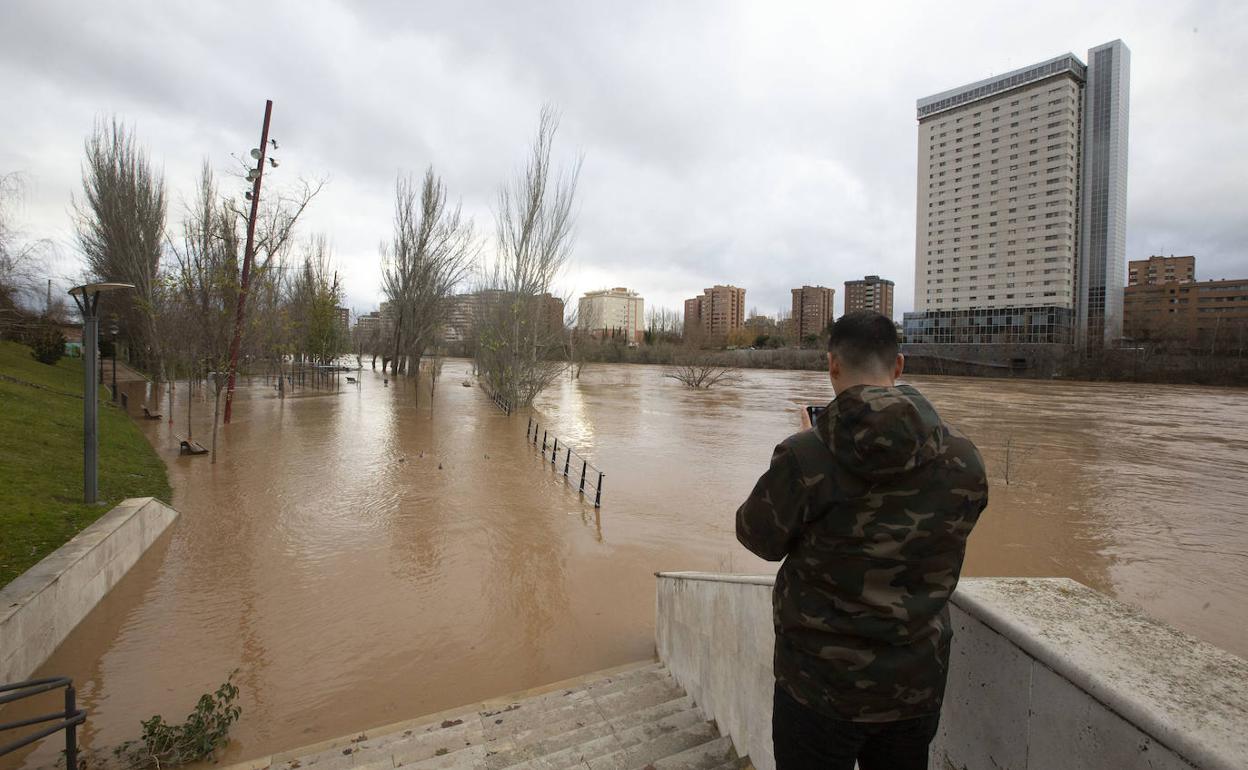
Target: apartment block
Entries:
(1155, 270)
(716, 313)
(1022, 204)
(871, 293)
(1209, 315)
(615, 312)
(465, 310)
(812, 310)
(371, 324)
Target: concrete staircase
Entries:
(629, 717)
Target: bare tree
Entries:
(431, 252)
(120, 225)
(701, 371)
(18, 259)
(205, 291)
(518, 345)
(312, 303)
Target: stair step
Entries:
(463, 759)
(707, 756)
(653, 713)
(419, 746)
(621, 702)
(507, 717)
(615, 742)
(657, 748)
(624, 719)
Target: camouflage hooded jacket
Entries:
(870, 511)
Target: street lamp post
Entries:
(87, 298)
(113, 333)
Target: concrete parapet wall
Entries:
(714, 633)
(43, 604)
(1044, 673)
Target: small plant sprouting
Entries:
(205, 730)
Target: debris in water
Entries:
(439, 466)
(466, 384)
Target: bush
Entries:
(205, 730)
(47, 344)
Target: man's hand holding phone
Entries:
(810, 414)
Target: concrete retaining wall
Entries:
(1044, 673)
(46, 602)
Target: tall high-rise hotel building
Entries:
(1022, 193)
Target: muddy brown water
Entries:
(361, 557)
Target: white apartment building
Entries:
(615, 312)
(1022, 205)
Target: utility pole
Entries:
(248, 254)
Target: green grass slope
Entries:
(41, 459)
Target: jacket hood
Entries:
(878, 433)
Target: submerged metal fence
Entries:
(563, 454)
(498, 400)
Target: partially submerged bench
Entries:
(189, 447)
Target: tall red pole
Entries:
(248, 255)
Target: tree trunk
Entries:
(190, 397)
(216, 411)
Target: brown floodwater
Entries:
(359, 557)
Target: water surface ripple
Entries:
(364, 557)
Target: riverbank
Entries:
(41, 459)
(1042, 362)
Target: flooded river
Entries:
(361, 557)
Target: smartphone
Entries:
(813, 412)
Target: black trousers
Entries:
(804, 738)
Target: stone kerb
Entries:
(43, 604)
(1043, 673)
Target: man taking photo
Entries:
(870, 509)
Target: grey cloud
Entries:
(767, 145)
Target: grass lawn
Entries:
(41, 460)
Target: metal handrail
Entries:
(70, 718)
(530, 433)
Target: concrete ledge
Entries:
(1108, 685)
(1043, 673)
(43, 604)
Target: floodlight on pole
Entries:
(87, 297)
(255, 176)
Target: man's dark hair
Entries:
(864, 339)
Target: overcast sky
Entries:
(763, 144)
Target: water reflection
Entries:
(362, 557)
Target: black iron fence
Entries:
(565, 457)
(498, 400)
(67, 720)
